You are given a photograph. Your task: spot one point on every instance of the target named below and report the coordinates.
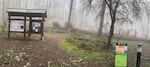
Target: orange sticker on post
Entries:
(120, 49)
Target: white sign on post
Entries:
(17, 25)
(36, 26)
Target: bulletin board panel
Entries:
(17, 25)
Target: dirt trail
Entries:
(42, 51)
(48, 50)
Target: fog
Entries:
(58, 11)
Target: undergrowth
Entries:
(11, 58)
(89, 48)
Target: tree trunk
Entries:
(111, 34)
(147, 28)
(113, 19)
(26, 5)
(4, 24)
(69, 17)
(100, 30)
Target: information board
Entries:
(17, 25)
(121, 56)
(36, 27)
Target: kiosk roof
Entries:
(26, 10)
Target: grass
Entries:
(71, 48)
(9, 57)
(92, 48)
(88, 48)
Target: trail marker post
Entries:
(121, 55)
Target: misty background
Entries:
(58, 12)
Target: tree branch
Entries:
(117, 4)
(115, 10)
(110, 8)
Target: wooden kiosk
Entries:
(18, 18)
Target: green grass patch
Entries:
(89, 48)
(71, 48)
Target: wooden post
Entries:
(9, 26)
(30, 27)
(41, 32)
(24, 27)
(42, 27)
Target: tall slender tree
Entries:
(4, 24)
(100, 29)
(69, 17)
(26, 4)
(147, 10)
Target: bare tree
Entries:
(26, 5)
(112, 10)
(4, 24)
(146, 5)
(114, 4)
(96, 7)
(69, 17)
(119, 10)
(100, 29)
(136, 9)
(148, 17)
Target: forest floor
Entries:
(41, 53)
